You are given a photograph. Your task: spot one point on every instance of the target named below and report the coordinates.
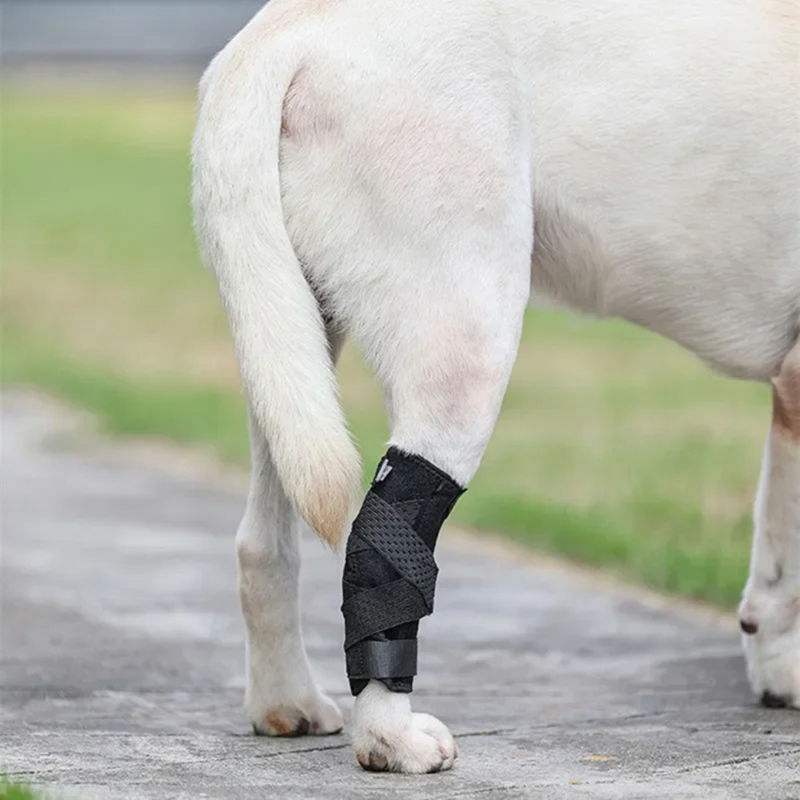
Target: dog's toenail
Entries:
(302, 727)
(771, 700)
(748, 627)
(377, 763)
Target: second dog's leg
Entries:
(282, 698)
(770, 611)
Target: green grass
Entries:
(13, 790)
(614, 447)
(131, 406)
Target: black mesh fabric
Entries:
(390, 574)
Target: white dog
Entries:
(409, 174)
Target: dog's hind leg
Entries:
(410, 209)
(282, 697)
(770, 611)
(443, 350)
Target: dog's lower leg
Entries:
(282, 698)
(770, 611)
(388, 585)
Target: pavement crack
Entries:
(729, 762)
(304, 750)
(495, 791)
(594, 721)
(496, 732)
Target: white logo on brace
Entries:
(384, 469)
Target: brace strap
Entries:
(390, 573)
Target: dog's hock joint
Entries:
(390, 574)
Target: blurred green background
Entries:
(614, 447)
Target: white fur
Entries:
(771, 601)
(424, 167)
(282, 697)
(387, 736)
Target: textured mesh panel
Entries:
(399, 544)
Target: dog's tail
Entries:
(278, 330)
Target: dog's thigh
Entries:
(770, 611)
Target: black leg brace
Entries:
(389, 573)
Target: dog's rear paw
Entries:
(388, 737)
(422, 745)
(318, 716)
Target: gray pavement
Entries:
(122, 657)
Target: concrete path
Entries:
(122, 662)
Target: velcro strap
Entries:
(395, 658)
(375, 610)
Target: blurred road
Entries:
(122, 658)
(129, 32)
